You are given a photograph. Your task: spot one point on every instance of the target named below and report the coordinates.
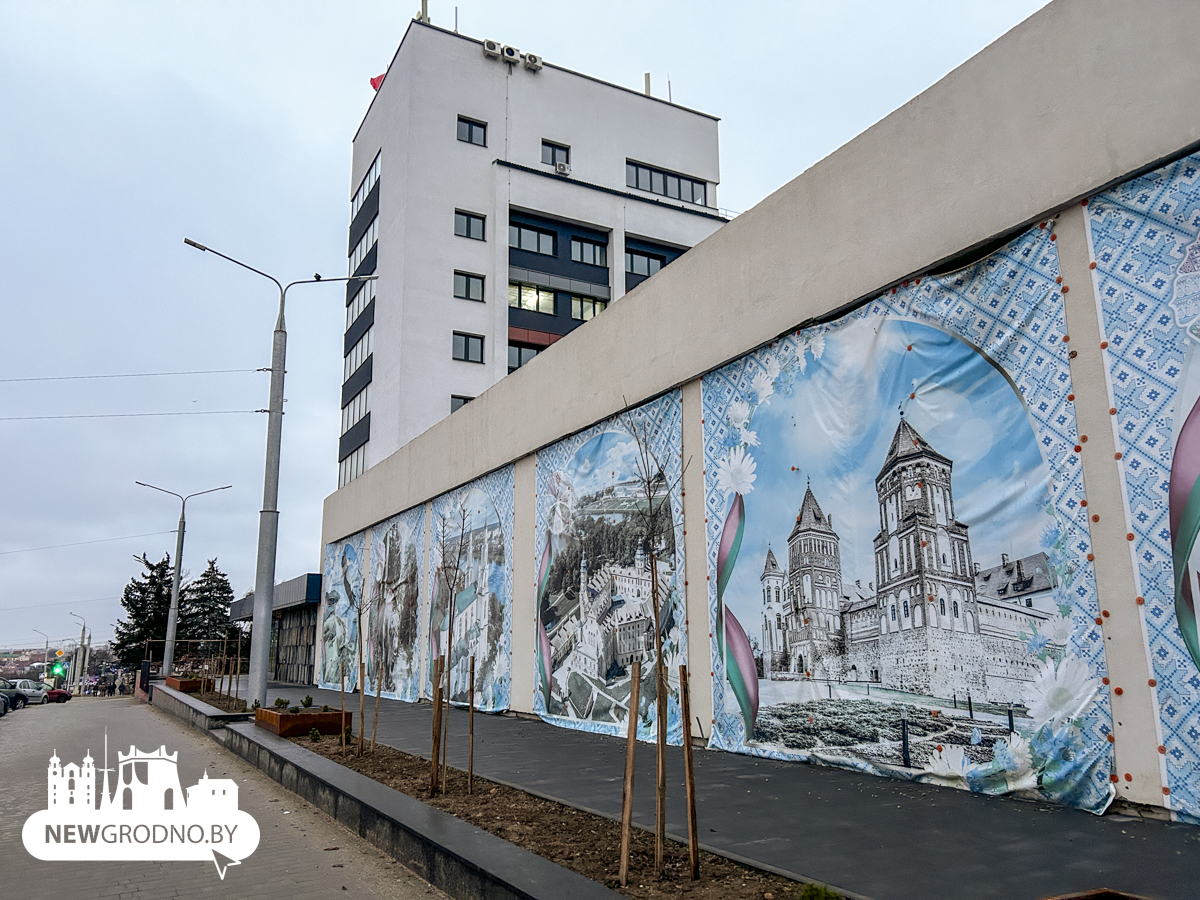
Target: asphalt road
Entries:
(302, 852)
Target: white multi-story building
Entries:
(502, 201)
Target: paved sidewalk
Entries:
(879, 838)
(302, 852)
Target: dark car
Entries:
(15, 698)
(3, 705)
(55, 695)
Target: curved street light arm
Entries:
(236, 262)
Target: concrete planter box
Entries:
(189, 685)
(286, 724)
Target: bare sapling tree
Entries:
(658, 525)
(451, 578)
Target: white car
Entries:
(32, 691)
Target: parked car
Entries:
(56, 695)
(16, 699)
(3, 705)
(32, 691)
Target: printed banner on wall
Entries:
(609, 545)
(342, 595)
(1145, 240)
(896, 550)
(470, 563)
(395, 607)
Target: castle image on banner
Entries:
(932, 622)
(147, 782)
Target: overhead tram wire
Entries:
(131, 375)
(124, 537)
(198, 412)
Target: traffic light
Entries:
(56, 669)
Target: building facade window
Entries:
(353, 411)
(584, 308)
(667, 184)
(365, 295)
(352, 466)
(457, 402)
(531, 297)
(358, 354)
(590, 252)
(364, 188)
(522, 237)
(469, 225)
(468, 347)
(364, 245)
(638, 263)
(519, 354)
(468, 286)
(472, 132)
(553, 154)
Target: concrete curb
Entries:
(451, 854)
(192, 711)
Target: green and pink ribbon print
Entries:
(1184, 497)
(732, 643)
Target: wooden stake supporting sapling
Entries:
(434, 750)
(630, 756)
(689, 773)
(471, 730)
(342, 694)
(375, 721)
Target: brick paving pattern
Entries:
(294, 859)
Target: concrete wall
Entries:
(1078, 97)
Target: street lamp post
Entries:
(173, 613)
(75, 680)
(268, 517)
(45, 653)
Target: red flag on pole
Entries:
(377, 81)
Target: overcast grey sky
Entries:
(125, 126)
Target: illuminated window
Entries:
(531, 297)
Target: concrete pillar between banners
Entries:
(1136, 723)
(695, 565)
(524, 593)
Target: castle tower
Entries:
(53, 782)
(85, 793)
(148, 782)
(774, 628)
(923, 567)
(814, 588)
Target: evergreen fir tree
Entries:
(147, 602)
(204, 606)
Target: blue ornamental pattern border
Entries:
(665, 418)
(1139, 235)
(1009, 307)
(499, 486)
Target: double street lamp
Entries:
(173, 613)
(268, 517)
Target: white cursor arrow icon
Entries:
(223, 862)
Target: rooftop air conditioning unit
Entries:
(491, 49)
(510, 54)
(562, 168)
(533, 62)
